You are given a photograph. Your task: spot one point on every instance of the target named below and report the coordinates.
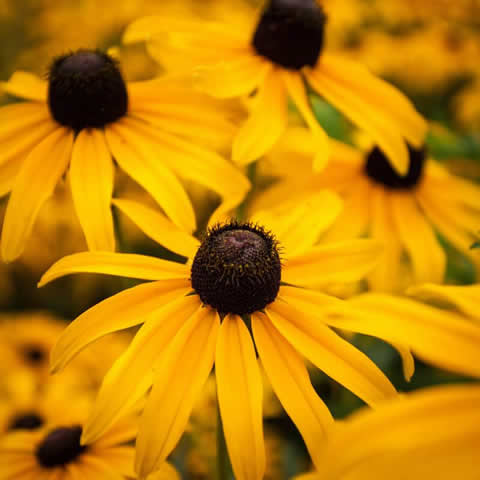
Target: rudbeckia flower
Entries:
(240, 286)
(404, 213)
(243, 291)
(85, 116)
(55, 453)
(431, 433)
(273, 53)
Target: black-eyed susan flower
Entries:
(274, 52)
(430, 433)
(404, 213)
(82, 118)
(241, 285)
(55, 452)
(27, 405)
(27, 339)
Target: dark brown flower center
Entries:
(237, 269)
(86, 89)
(34, 355)
(379, 169)
(290, 33)
(26, 421)
(60, 446)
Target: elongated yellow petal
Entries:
(381, 127)
(267, 121)
(8, 173)
(291, 383)
(199, 165)
(179, 376)
(433, 433)
(35, 182)
(238, 75)
(24, 117)
(340, 262)
(355, 215)
(128, 265)
(330, 353)
(298, 225)
(442, 338)
(124, 310)
(296, 90)
(386, 275)
(408, 362)
(240, 393)
(120, 459)
(464, 297)
(132, 374)
(158, 227)
(91, 178)
(417, 236)
(26, 85)
(141, 161)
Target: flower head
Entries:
(271, 54)
(86, 115)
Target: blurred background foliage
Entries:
(430, 49)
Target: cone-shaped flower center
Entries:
(34, 354)
(26, 421)
(237, 268)
(290, 33)
(378, 168)
(86, 89)
(60, 446)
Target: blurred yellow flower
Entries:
(430, 433)
(273, 52)
(404, 213)
(85, 115)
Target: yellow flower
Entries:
(431, 433)
(193, 316)
(404, 213)
(273, 52)
(55, 452)
(27, 339)
(85, 115)
(26, 405)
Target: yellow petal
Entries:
(199, 165)
(296, 90)
(129, 265)
(8, 173)
(266, 123)
(34, 184)
(417, 236)
(340, 262)
(382, 128)
(119, 459)
(240, 394)
(240, 75)
(26, 85)
(464, 297)
(408, 362)
(132, 374)
(434, 433)
(124, 310)
(386, 276)
(330, 353)
(179, 376)
(355, 215)
(165, 472)
(140, 160)
(91, 178)
(298, 225)
(158, 227)
(291, 383)
(441, 338)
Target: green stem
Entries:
(223, 463)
